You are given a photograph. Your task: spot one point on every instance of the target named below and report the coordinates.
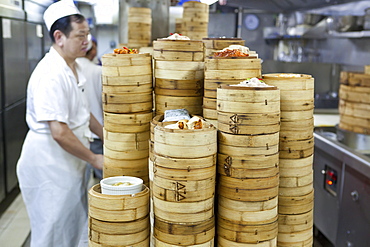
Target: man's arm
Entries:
(96, 127)
(64, 136)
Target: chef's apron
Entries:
(54, 190)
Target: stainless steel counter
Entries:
(342, 192)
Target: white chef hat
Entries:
(58, 10)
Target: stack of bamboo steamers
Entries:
(139, 27)
(127, 106)
(195, 20)
(179, 75)
(248, 138)
(296, 147)
(225, 70)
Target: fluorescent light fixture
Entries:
(209, 2)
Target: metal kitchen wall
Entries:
(21, 47)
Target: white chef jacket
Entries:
(93, 88)
(52, 180)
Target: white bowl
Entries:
(107, 187)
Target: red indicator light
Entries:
(329, 182)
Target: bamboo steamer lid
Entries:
(185, 234)
(183, 190)
(141, 88)
(247, 233)
(159, 243)
(118, 208)
(249, 162)
(222, 242)
(187, 212)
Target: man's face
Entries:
(76, 44)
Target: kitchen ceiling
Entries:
(285, 5)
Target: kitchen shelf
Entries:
(354, 34)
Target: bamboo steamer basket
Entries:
(296, 191)
(360, 127)
(179, 92)
(119, 240)
(295, 182)
(209, 103)
(126, 146)
(184, 234)
(241, 194)
(183, 163)
(353, 109)
(184, 173)
(159, 243)
(241, 151)
(126, 69)
(190, 103)
(256, 119)
(297, 105)
(296, 164)
(141, 88)
(267, 140)
(296, 149)
(183, 190)
(211, 85)
(215, 44)
(250, 162)
(136, 11)
(354, 94)
(119, 228)
(355, 79)
(118, 208)
(293, 135)
(247, 213)
(126, 137)
(295, 223)
(195, 35)
(179, 84)
(240, 107)
(301, 238)
(125, 98)
(134, 123)
(128, 108)
(222, 242)
(249, 183)
(179, 70)
(242, 173)
(135, 168)
(232, 63)
(240, 129)
(178, 25)
(289, 82)
(293, 205)
(198, 26)
(126, 155)
(196, 6)
(244, 233)
(195, 143)
(178, 50)
(186, 212)
(144, 243)
(210, 114)
(289, 116)
(297, 125)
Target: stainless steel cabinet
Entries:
(354, 211)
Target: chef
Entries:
(53, 160)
